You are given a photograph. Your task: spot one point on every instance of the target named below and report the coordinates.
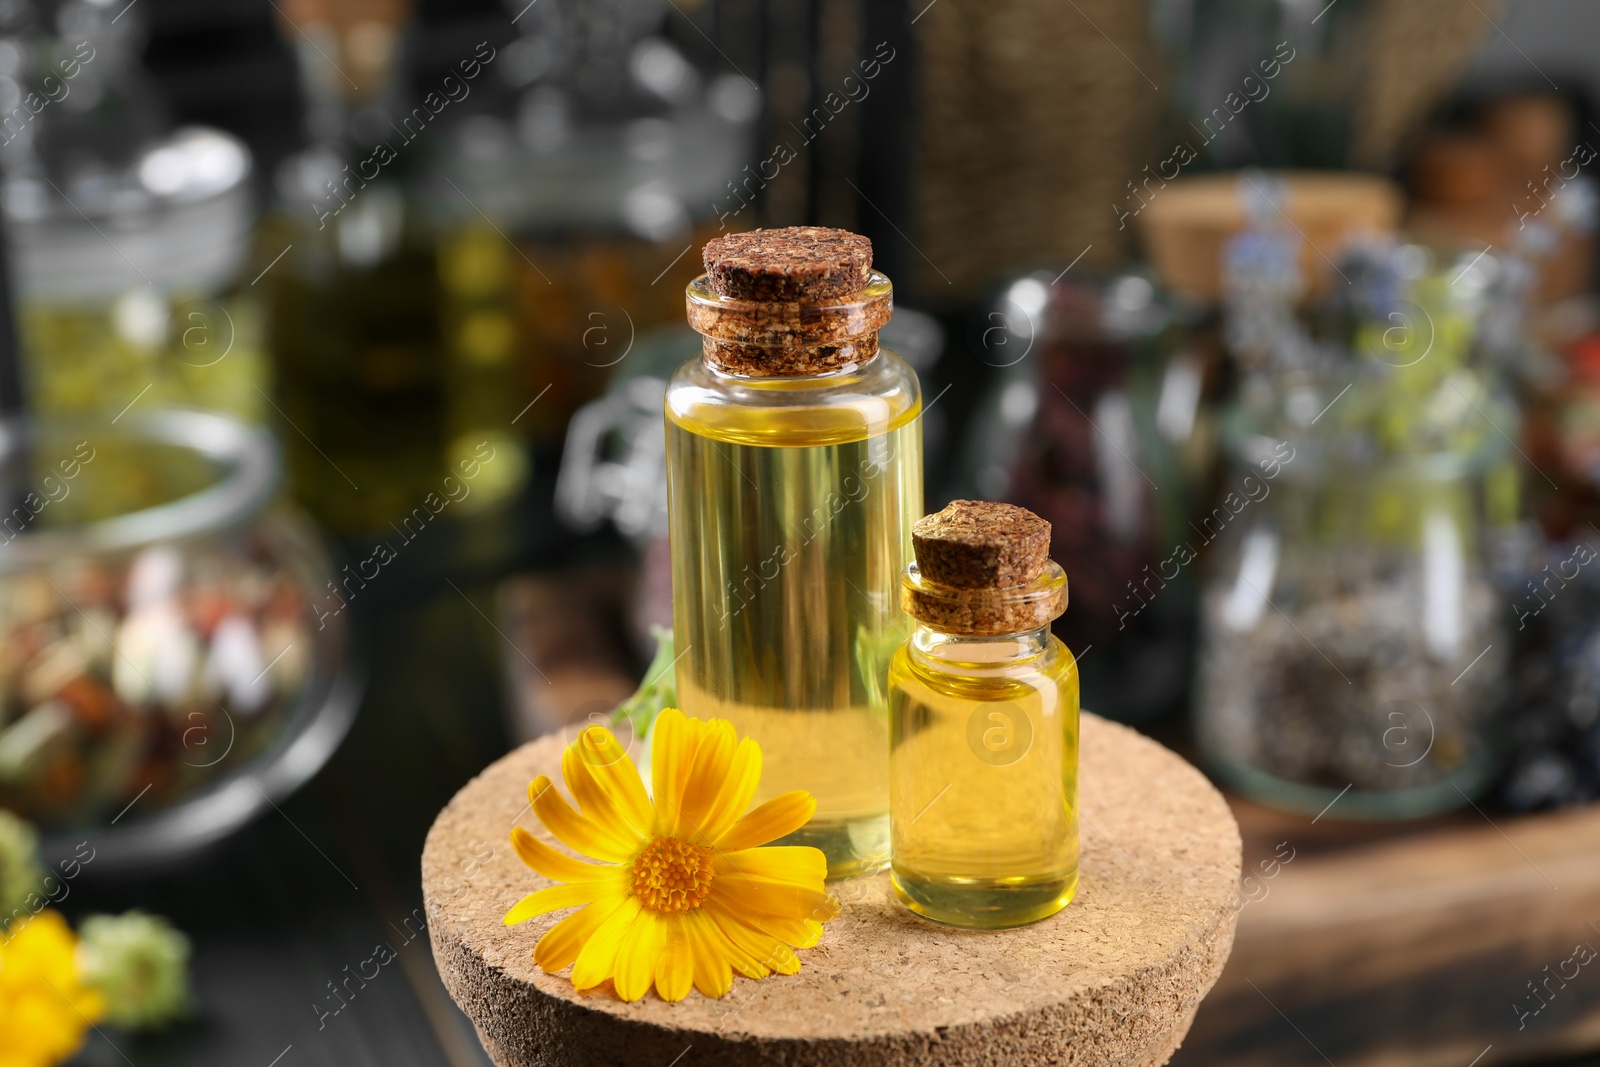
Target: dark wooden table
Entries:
(1411, 944)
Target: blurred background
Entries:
(333, 336)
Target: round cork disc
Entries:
(1113, 979)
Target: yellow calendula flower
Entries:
(683, 895)
(44, 1006)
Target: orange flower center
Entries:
(672, 875)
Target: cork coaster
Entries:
(1113, 979)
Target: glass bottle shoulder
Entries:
(851, 405)
(998, 668)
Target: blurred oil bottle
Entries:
(371, 399)
(471, 250)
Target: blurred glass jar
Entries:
(173, 653)
(162, 314)
(1350, 594)
(1093, 426)
(128, 238)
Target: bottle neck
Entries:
(793, 380)
(789, 362)
(956, 654)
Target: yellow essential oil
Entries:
(791, 501)
(983, 764)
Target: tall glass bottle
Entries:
(794, 473)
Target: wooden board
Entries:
(1413, 944)
(1114, 979)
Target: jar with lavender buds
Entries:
(1354, 641)
(1354, 645)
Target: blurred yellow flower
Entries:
(44, 1006)
(683, 896)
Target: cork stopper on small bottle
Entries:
(984, 568)
(788, 302)
(797, 264)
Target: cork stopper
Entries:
(978, 544)
(983, 568)
(797, 301)
(792, 265)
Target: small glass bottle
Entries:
(983, 721)
(794, 474)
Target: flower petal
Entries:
(800, 864)
(801, 933)
(556, 866)
(555, 898)
(713, 975)
(673, 743)
(560, 945)
(738, 789)
(709, 771)
(637, 956)
(577, 832)
(598, 957)
(742, 961)
(765, 896)
(783, 814)
(767, 951)
(675, 968)
(605, 782)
